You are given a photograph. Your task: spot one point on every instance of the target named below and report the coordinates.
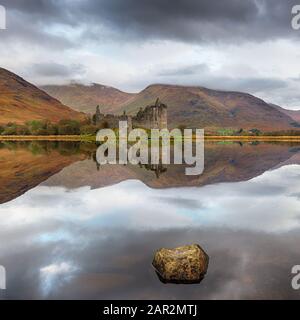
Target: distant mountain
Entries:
(188, 106)
(294, 114)
(21, 101)
(211, 109)
(86, 98)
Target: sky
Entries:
(240, 45)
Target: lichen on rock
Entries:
(185, 264)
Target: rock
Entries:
(186, 264)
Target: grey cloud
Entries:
(201, 75)
(185, 71)
(249, 84)
(21, 30)
(41, 10)
(30, 22)
(181, 202)
(295, 195)
(194, 20)
(183, 20)
(53, 69)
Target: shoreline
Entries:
(46, 138)
(93, 138)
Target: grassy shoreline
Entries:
(93, 138)
(47, 138)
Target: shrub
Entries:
(68, 127)
(22, 130)
(10, 131)
(88, 129)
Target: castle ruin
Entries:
(152, 117)
(110, 120)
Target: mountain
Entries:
(294, 114)
(188, 106)
(21, 101)
(86, 98)
(211, 109)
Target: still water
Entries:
(71, 229)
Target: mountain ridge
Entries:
(188, 106)
(211, 109)
(294, 114)
(21, 101)
(85, 98)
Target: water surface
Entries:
(70, 228)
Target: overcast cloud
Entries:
(245, 45)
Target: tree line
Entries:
(47, 128)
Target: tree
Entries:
(68, 127)
(255, 131)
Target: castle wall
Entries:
(152, 117)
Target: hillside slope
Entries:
(21, 101)
(187, 106)
(210, 109)
(86, 98)
(294, 114)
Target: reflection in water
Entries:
(84, 233)
(24, 165)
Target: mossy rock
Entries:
(186, 264)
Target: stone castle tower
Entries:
(98, 115)
(152, 117)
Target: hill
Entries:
(211, 109)
(187, 106)
(294, 114)
(20, 101)
(86, 98)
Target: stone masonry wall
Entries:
(152, 117)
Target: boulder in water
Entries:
(186, 264)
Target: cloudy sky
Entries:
(245, 45)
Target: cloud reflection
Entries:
(82, 243)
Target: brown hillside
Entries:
(189, 106)
(21, 101)
(210, 109)
(294, 114)
(86, 98)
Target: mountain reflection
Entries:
(24, 165)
